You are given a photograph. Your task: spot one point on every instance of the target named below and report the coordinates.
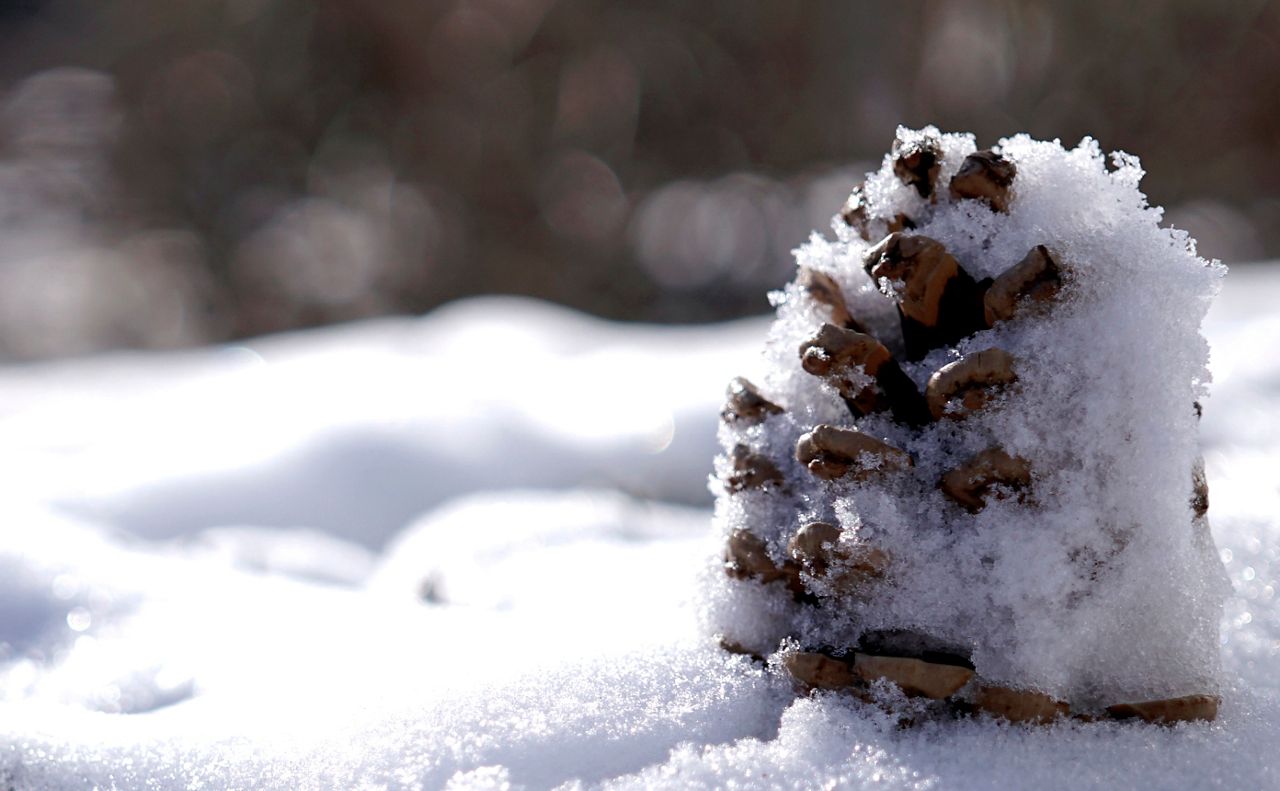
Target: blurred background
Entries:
(180, 173)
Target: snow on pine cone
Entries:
(971, 468)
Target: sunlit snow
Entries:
(463, 551)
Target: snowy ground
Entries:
(463, 551)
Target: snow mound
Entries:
(230, 635)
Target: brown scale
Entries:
(1185, 709)
(822, 289)
(745, 406)
(830, 452)
(752, 471)
(817, 550)
(984, 176)
(917, 163)
(939, 304)
(973, 482)
(844, 357)
(854, 214)
(968, 384)
(1035, 279)
(856, 672)
(1199, 483)
(854, 211)
(1199, 490)
(1019, 705)
(747, 557)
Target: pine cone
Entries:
(942, 487)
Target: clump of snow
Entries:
(1097, 583)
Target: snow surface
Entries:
(463, 551)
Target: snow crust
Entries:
(200, 589)
(1099, 587)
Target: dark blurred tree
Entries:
(325, 160)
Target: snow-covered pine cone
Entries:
(971, 469)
